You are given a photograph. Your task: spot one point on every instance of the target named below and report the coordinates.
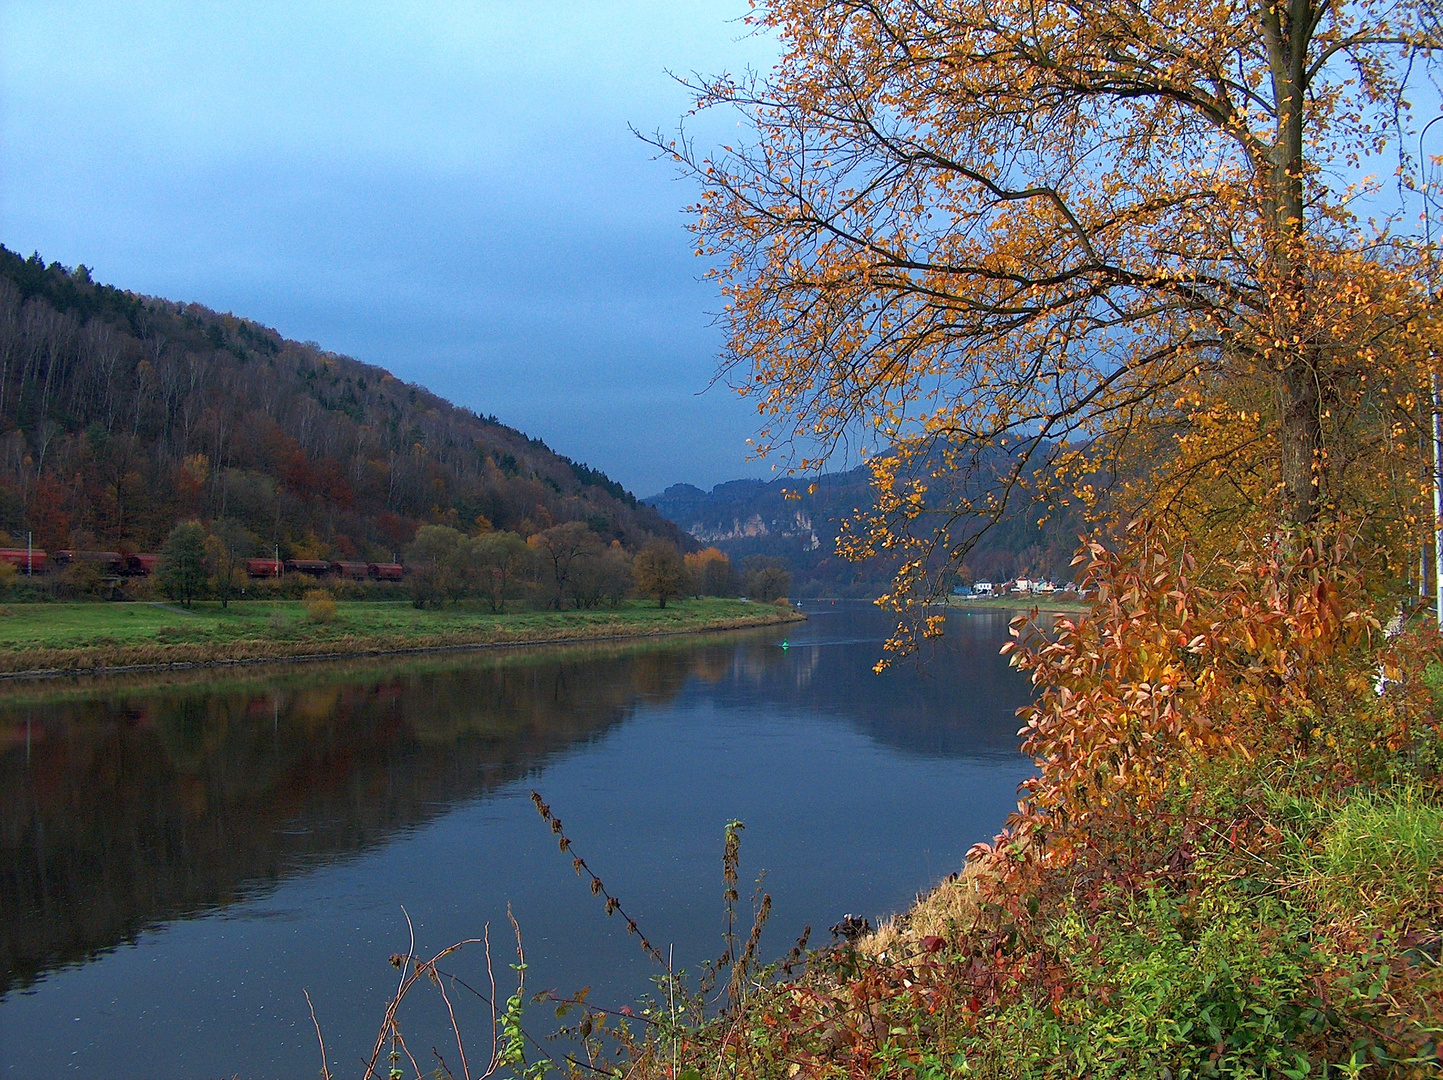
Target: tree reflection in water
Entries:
(124, 804)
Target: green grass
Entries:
(1383, 851)
(1022, 602)
(88, 635)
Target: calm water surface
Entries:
(180, 859)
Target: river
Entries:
(181, 858)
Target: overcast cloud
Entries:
(448, 190)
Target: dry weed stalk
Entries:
(613, 904)
(507, 1035)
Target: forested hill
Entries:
(122, 414)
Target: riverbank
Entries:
(1240, 875)
(40, 640)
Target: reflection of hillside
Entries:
(960, 702)
(120, 811)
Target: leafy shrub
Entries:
(1170, 671)
(1217, 986)
(320, 606)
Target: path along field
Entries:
(58, 637)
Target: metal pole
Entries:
(1433, 387)
(1423, 570)
(1437, 500)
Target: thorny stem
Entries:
(460, 1044)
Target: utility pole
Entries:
(1434, 403)
(1437, 497)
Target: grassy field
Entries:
(89, 636)
(1022, 602)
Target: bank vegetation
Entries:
(71, 638)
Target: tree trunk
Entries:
(1301, 437)
(1287, 28)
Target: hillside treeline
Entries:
(568, 565)
(121, 415)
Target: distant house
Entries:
(983, 588)
(1023, 585)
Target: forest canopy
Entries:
(121, 415)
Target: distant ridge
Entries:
(784, 519)
(121, 414)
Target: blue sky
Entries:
(448, 190)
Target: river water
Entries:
(181, 859)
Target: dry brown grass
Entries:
(948, 910)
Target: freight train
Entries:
(321, 568)
(142, 564)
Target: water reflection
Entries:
(150, 803)
(181, 858)
(954, 700)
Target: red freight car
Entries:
(354, 571)
(314, 567)
(26, 560)
(386, 571)
(141, 564)
(107, 562)
(264, 567)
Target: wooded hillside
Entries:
(122, 414)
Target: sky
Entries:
(449, 190)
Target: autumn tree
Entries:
(437, 558)
(766, 578)
(1066, 242)
(561, 551)
(659, 571)
(603, 576)
(181, 571)
(711, 572)
(617, 578)
(222, 557)
(499, 559)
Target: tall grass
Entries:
(1383, 851)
